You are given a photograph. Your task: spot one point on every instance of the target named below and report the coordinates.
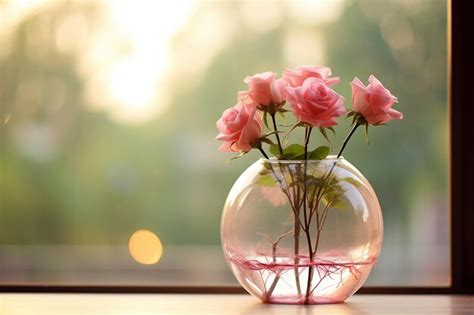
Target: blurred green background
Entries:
(108, 113)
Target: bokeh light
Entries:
(145, 247)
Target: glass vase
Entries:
(301, 232)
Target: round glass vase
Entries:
(301, 232)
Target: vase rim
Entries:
(331, 158)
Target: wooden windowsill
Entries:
(137, 304)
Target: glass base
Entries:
(284, 279)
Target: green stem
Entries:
(311, 269)
(318, 235)
(305, 212)
(276, 133)
(263, 152)
(347, 139)
(340, 152)
(296, 234)
(297, 251)
(272, 287)
(306, 141)
(277, 276)
(297, 227)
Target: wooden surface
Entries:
(141, 304)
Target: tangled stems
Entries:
(298, 195)
(321, 220)
(296, 213)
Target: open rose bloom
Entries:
(265, 89)
(240, 128)
(299, 75)
(315, 103)
(374, 101)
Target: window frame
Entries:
(460, 65)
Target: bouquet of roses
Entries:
(310, 189)
(313, 103)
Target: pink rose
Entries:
(240, 128)
(315, 103)
(264, 88)
(243, 97)
(374, 101)
(296, 77)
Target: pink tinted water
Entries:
(272, 278)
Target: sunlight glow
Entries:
(11, 14)
(129, 59)
(316, 12)
(313, 43)
(129, 80)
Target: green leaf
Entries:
(298, 157)
(311, 182)
(266, 140)
(281, 109)
(334, 198)
(271, 133)
(266, 168)
(319, 153)
(314, 185)
(266, 180)
(241, 154)
(324, 133)
(338, 204)
(275, 150)
(332, 130)
(293, 150)
(265, 120)
(315, 181)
